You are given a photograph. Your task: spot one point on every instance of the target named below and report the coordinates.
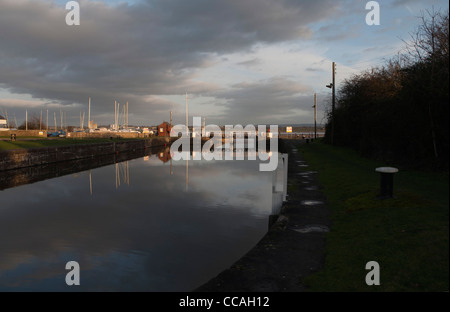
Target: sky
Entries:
(240, 61)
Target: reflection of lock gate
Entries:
(279, 186)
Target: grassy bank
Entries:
(7, 145)
(408, 235)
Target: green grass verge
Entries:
(408, 235)
(19, 144)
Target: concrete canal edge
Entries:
(21, 158)
(294, 245)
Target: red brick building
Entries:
(164, 129)
(165, 156)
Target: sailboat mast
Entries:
(187, 122)
(89, 114)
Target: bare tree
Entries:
(430, 39)
(34, 123)
(429, 45)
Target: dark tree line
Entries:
(399, 112)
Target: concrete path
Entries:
(293, 247)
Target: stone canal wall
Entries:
(24, 133)
(20, 158)
(27, 175)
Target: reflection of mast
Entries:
(128, 170)
(187, 174)
(90, 182)
(125, 173)
(117, 175)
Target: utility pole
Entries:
(170, 119)
(332, 85)
(26, 120)
(47, 119)
(315, 115)
(40, 121)
(333, 101)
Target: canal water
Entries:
(146, 224)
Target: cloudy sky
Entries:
(241, 61)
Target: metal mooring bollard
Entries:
(386, 181)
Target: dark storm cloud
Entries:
(136, 52)
(277, 98)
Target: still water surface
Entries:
(139, 225)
